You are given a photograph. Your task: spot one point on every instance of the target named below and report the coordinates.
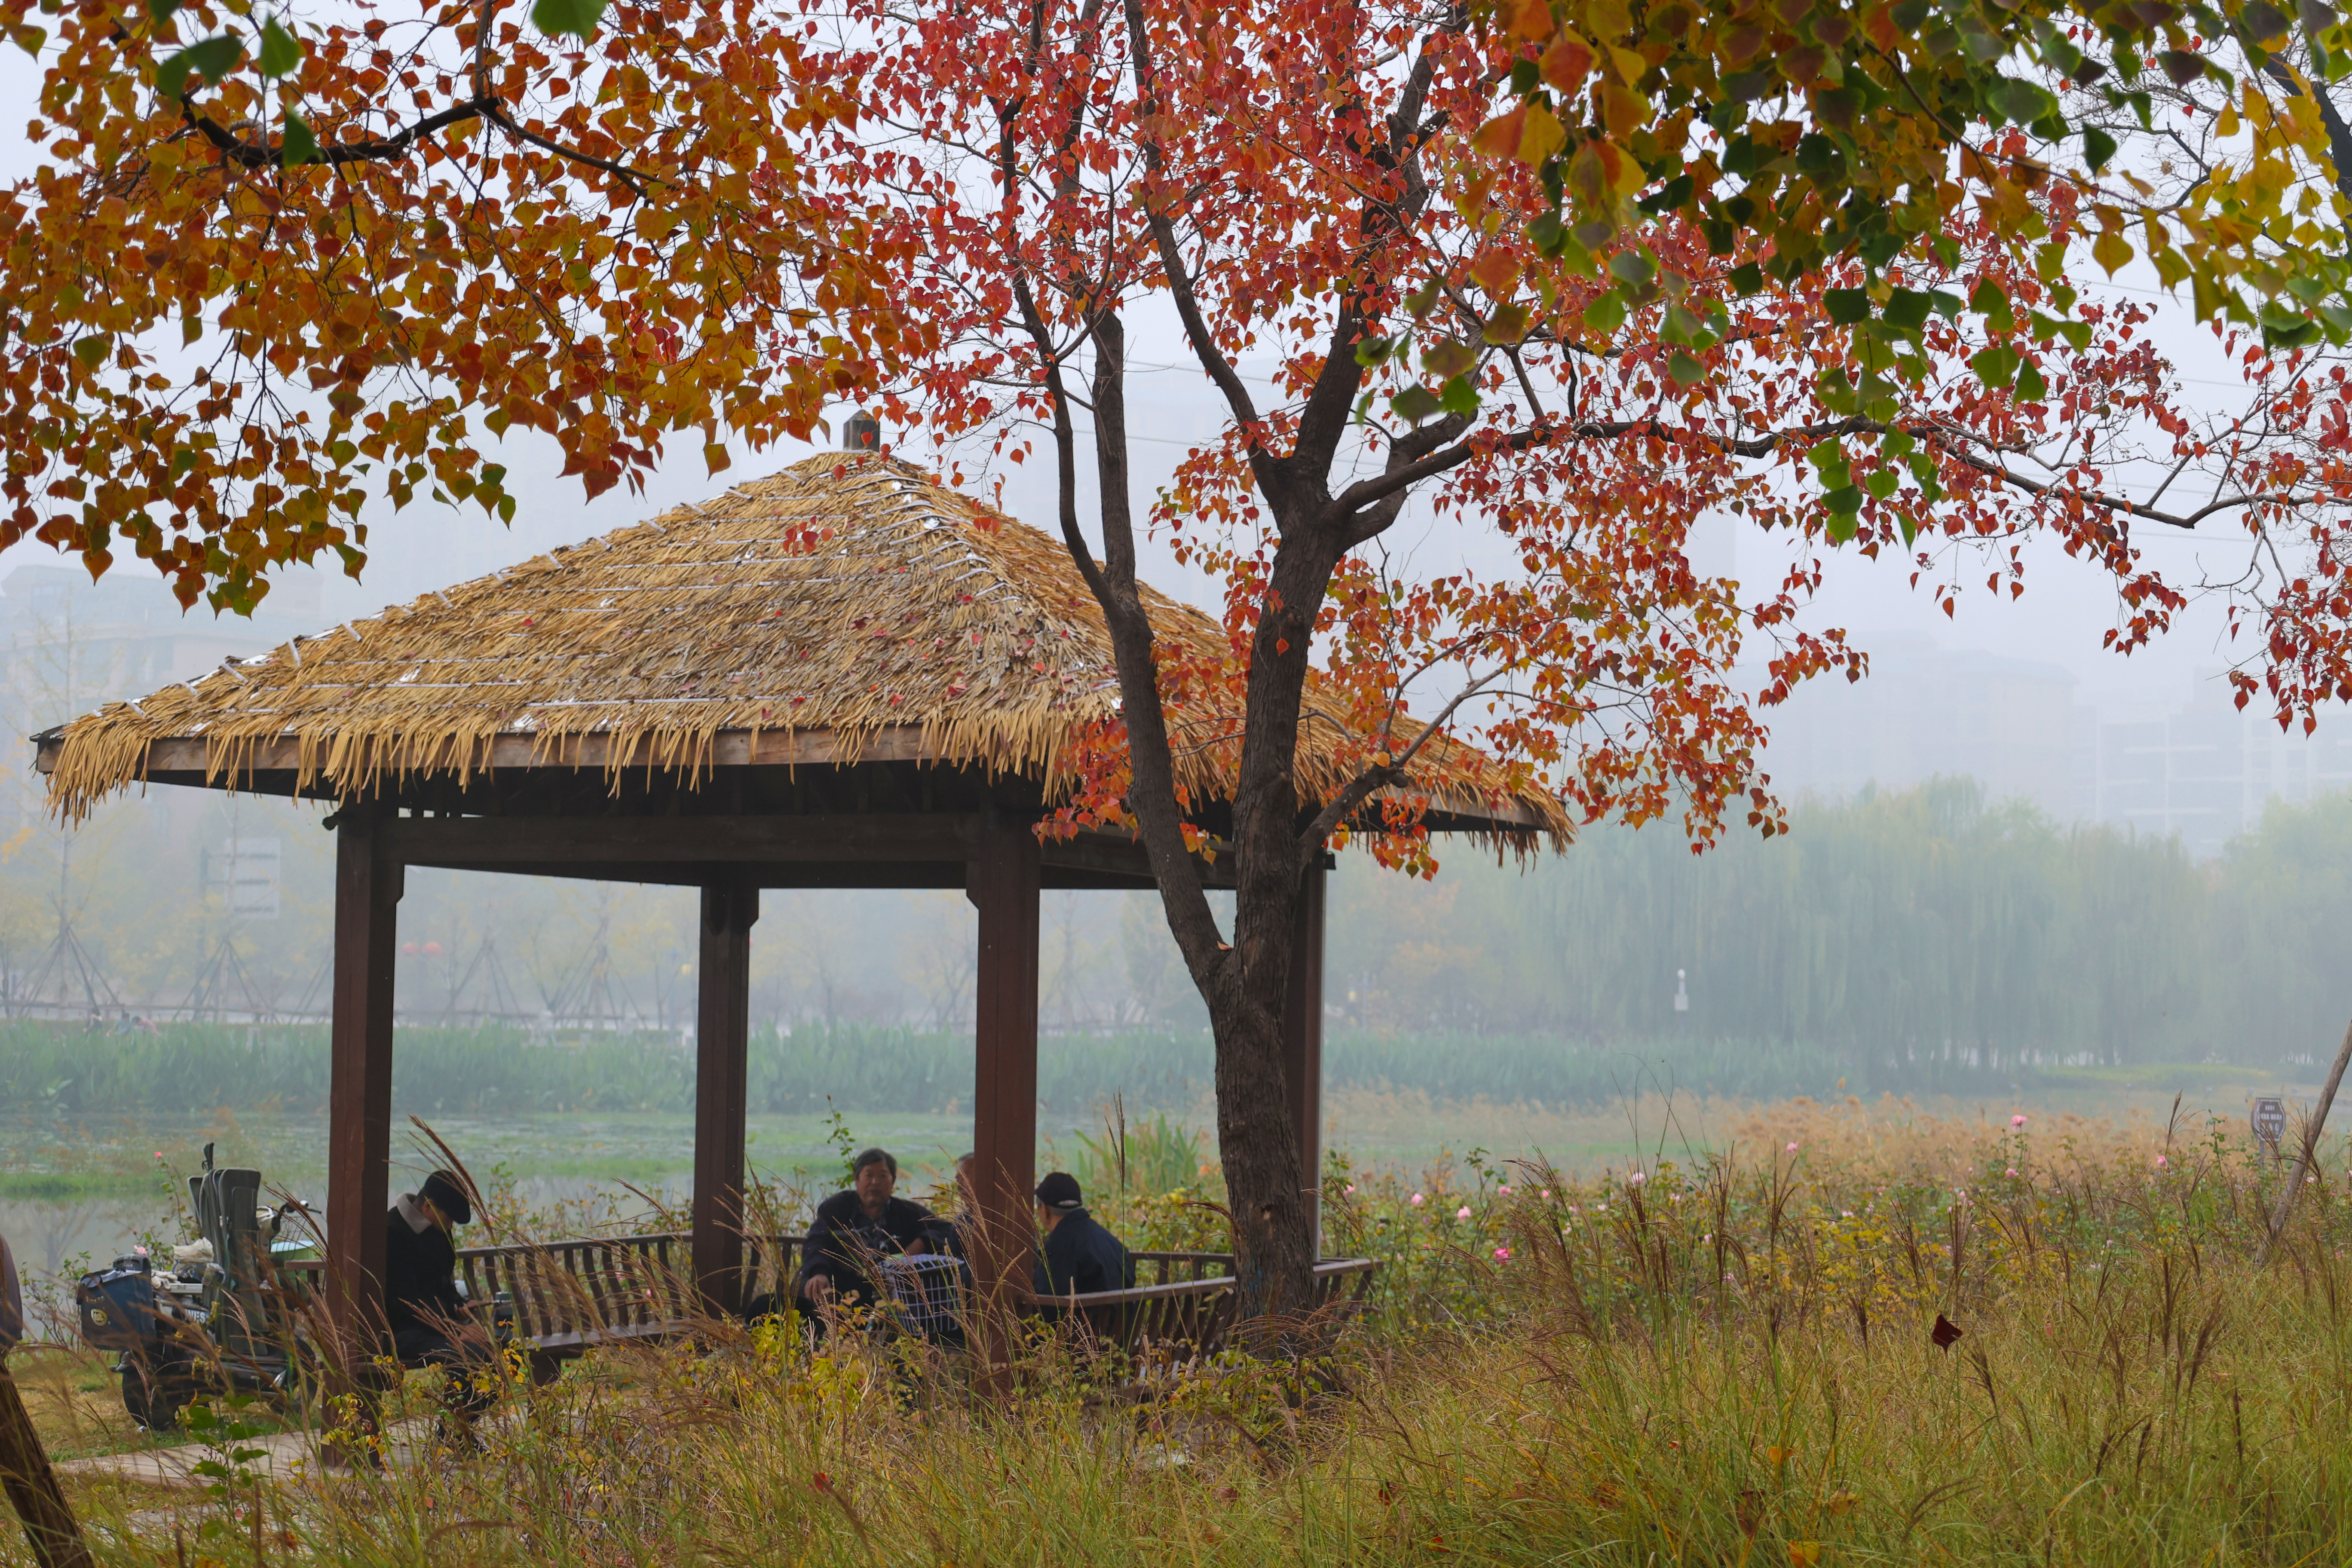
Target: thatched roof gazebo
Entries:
(846, 675)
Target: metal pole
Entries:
(2310, 1147)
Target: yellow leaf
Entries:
(2228, 124)
(1839, 1503)
(1624, 110)
(1779, 1456)
(715, 456)
(1630, 65)
(1804, 1554)
(2111, 251)
(1542, 136)
(1608, 20)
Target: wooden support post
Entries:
(722, 1042)
(359, 1094)
(1302, 1042)
(25, 1473)
(1004, 887)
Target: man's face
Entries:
(433, 1212)
(874, 1184)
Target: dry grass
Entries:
(1715, 1362)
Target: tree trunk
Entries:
(1273, 1236)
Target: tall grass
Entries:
(1711, 1360)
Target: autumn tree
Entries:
(267, 268)
(1486, 271)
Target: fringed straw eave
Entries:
(852, 598)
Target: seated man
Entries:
(428, 1318)
(1079, 1258)
(855, 1228)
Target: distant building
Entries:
(1922, 711)
(2206, 769)
(68, 644)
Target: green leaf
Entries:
(1374, 351)
(1447, 359)
(163, 10)
(2021, 101)
(213, 59)
(1605, 312)
(29, 39)
(1746, 279)
(1683, 370)
(2030, 385)
(1634, 267)
(1461, 397)
(1995, 366)
(1990, 303)
(300, 145)
(568, 18)
(2098, 148)
(1415, 403)
(1906, 309)
(91, 352)
(1841, 525)
(1881, 482)
(280, 53)
(1846, 306)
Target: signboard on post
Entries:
(2270, 1122)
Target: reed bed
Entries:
(1730, 1359)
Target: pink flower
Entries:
(1416, 1200)
(1502, 1255)
(1636, 1179)
(1352, 1189)
(1461, 1213)
(2018, 1120)
(1792, 1148)
(2160, 1160)
(2012, 1171)
(1504, 1190)
(1547, 1193)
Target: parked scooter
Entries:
(222, 1319)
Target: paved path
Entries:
(284, 1454)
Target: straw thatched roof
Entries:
(845, 609)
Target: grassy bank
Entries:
(188, 1069)
(1721, 1361)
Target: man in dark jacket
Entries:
(1079, 1258)
(855, 1229)
(428, 1318)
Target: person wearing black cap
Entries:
(1079, 1258)
(855, 1228)
(427, 1317)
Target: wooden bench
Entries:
(1188, 1310)
(571, 1296)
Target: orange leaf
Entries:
(1501, 137)
(1531, 20)
(1495, 271)
(1567, 62)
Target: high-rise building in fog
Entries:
(2012, 723)
(2205, 770)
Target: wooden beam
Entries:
(485, 842)
(359, 1094)
(1003, 888)
(722, 1046)
(1302, 1041)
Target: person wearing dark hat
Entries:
(853, 1229)
(427, 1317)
(1079, 1258)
